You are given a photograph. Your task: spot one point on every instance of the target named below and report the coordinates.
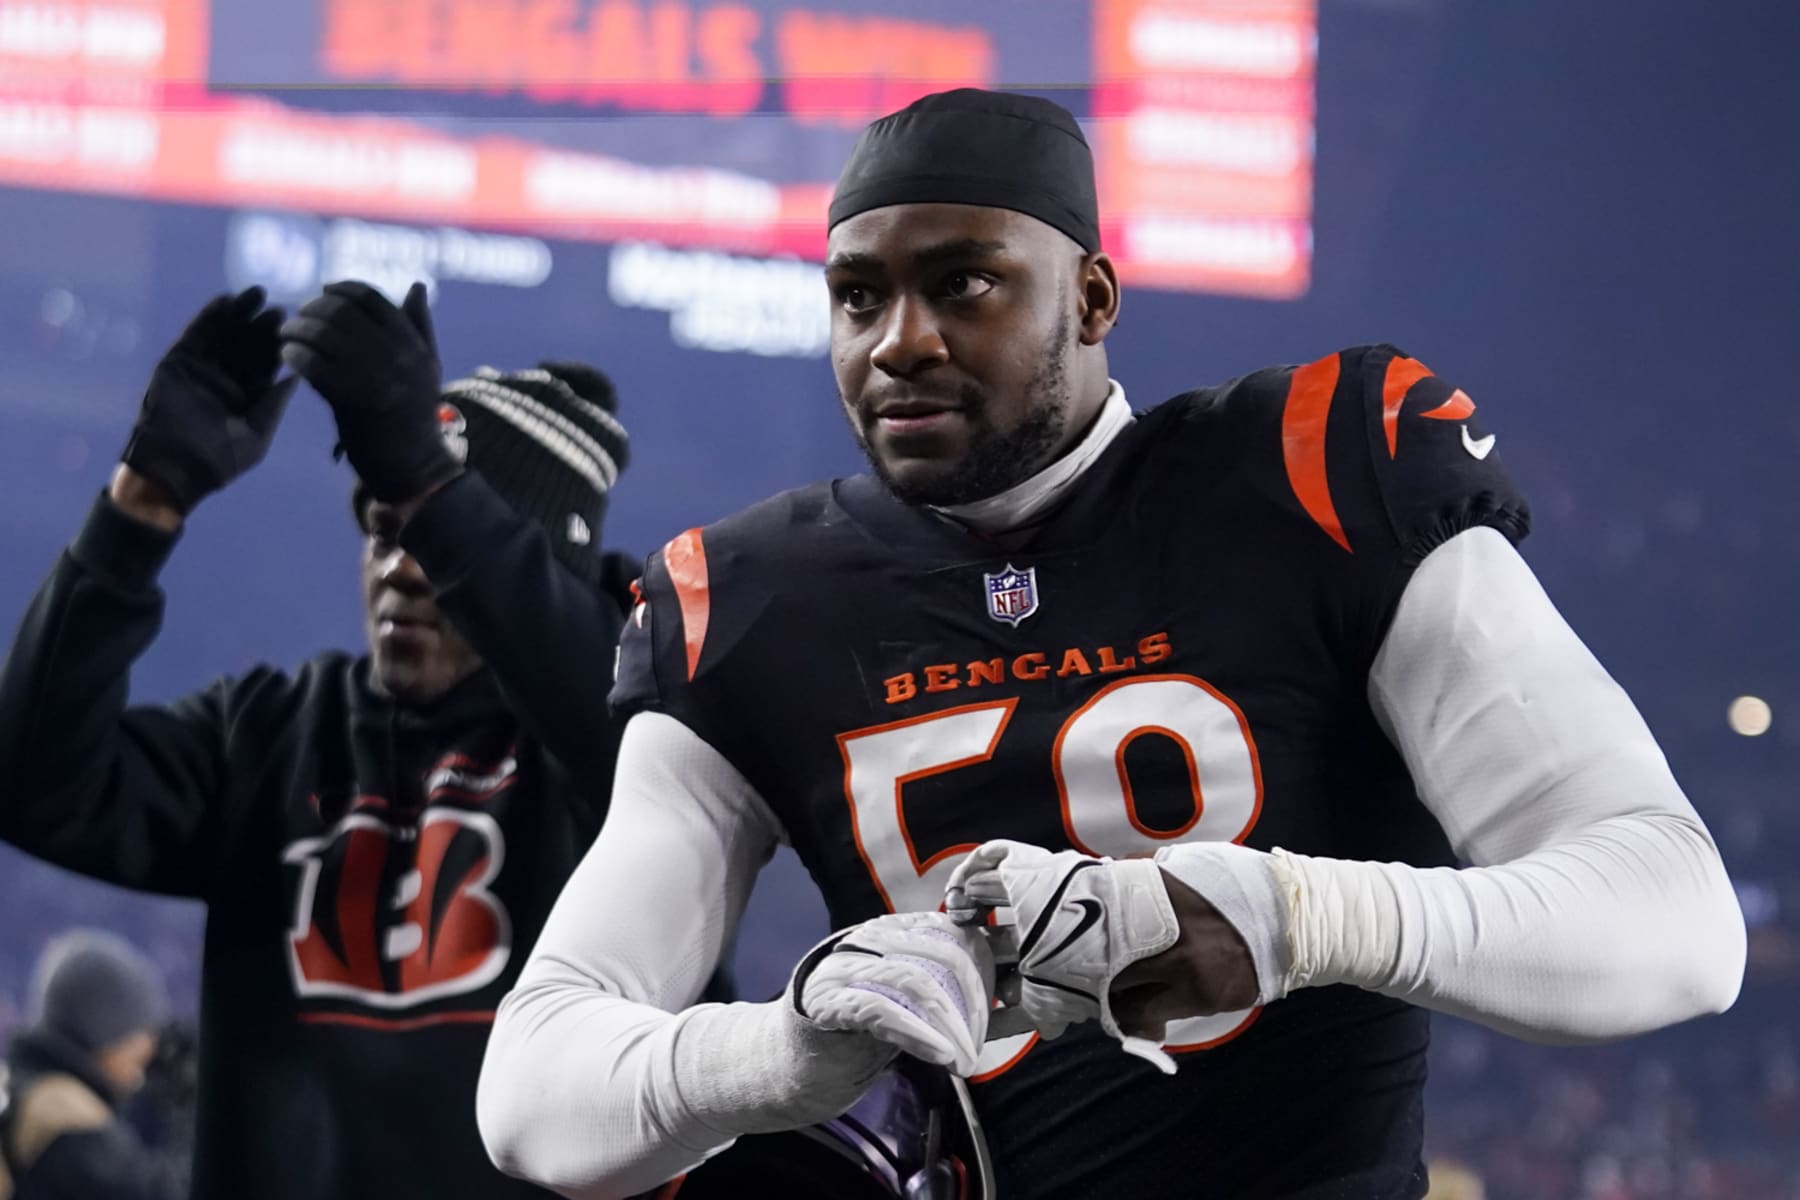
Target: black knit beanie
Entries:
(547, 440)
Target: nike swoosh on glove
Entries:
(917, 981)
(1080, 920)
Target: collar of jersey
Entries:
(1019, 505)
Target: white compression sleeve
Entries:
(578, 1090)
(1597, 906)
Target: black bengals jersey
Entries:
(1179, 652)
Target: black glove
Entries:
(213, 402)
(377, 366)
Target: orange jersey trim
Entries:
(1242, 1028)
(397, 1024)
(1009, 1064)
(1303, 442)
(685, 558)
(1062, 784)
(1402, 373)
(1193, 769)
(1457, 408)
(912, 852)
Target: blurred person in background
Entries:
(378, 838)
(164, 1111)
(97, 1010)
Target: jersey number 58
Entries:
(1099, 810)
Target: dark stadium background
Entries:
(1587, 215)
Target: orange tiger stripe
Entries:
(685, 558)
(1457, 408)
(1303, 442)
(1402, 373)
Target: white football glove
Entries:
(1079, 921)
(917, 981)
(913, 982)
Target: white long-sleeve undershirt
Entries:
(1597, 906)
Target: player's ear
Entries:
(1098, 284)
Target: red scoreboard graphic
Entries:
(691, 124)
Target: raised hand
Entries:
(377, 366)
(213, 402)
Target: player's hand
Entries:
(913, 983)
(1079, 922)
(1208, 970)
(212, 405)
(377, 366)
(917, 981)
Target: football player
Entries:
(1208, 700)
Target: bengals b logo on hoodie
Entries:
(393, 910)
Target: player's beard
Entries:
(996, 459)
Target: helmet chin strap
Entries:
(1022, 502)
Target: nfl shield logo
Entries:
(1011, 594)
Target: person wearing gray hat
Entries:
(97, 1006)
(378, 836)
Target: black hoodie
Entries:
(374, 874)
